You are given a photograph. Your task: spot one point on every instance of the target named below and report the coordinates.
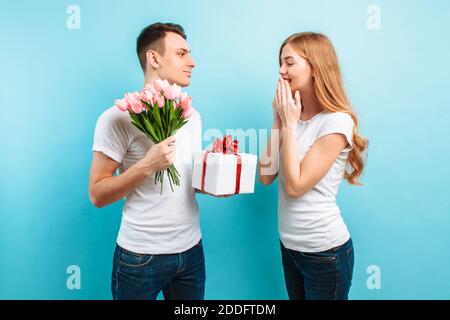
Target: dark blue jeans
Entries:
(143, 276)
(325, 275)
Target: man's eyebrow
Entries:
(184, 50)
(288, 57)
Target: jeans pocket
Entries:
(134, 260)
(320, 257)
(350, 259)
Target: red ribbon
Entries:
(226, 146)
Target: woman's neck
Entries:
(310, 104)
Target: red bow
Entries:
(226, 146)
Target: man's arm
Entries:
(105, 188)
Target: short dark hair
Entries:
(151, 38)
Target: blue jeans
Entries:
(143, 276)
(325, 275)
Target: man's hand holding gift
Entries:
(222, 171)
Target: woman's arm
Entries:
(300, 177)
(268, 162)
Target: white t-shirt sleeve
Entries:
(338, 122)
(110, 135)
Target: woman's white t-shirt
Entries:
(153, 223)
(313, 222)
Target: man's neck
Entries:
(149, 77)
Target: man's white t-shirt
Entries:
(153, 223)
(313, 222)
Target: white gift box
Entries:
(221, 170)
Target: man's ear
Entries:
(153, 58)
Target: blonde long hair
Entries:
(318, 50)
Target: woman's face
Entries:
(295, 69)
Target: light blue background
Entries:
(55, 83)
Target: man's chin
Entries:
(184, 83)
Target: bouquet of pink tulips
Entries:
(159, 110)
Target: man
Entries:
(159, 245)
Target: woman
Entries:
(319, 145)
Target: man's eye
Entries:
(181, 54)
(289, 64)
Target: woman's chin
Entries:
(295, 88)
(299, 87)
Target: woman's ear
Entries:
(153, 59)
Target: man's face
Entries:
(176, 64)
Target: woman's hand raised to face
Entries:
(288, 109)
(276, 117)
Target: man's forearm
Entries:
(112, 189)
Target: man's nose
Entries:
(191, 63)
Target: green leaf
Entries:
(182, 123)
(171, 114)
(168, 111)
(148, 105)
(152, 131)
(158, 126)
(138, 125)
(178, 113)
(162, 112)
(175, 120)
(141, 119)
